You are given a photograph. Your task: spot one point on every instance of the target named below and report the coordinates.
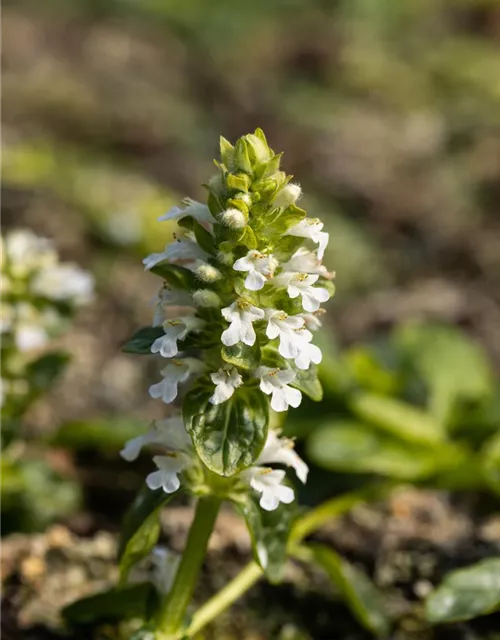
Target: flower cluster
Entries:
(39, 293)
(245, 275)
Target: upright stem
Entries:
(177, 601)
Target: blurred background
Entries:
(388, 112)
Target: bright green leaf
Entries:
(242, 157)
(140, 343)
(466, 593)
(230, 436)
(357, 590)
(353, 447)
(227, 153)
(396, 417)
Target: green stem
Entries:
(225, 597)
(177, 601)
(303, 527)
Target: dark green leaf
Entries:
(43, 372)
(357, 590)
(176, 276)
(203, 237)
(396, 417)
(466, 593)
(141, 527)
(269, 531)
(353, 447)
(140, 343)
(113, 604)
(241, 355)
(230, 436)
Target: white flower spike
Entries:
(226, 379)
(241, 314)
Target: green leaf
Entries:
(227, 153)
(42, 372)
(290, 216)
(269, 532)
(258, 150)
(141, 528)
(238, 182)
(176, 276)
(140, 343)
(269, 168)
(308, 382)
(108, 433)
(242, 157)
(398, 418)
(112, 604)
(466, 593)
(241, 355)
(357, 590)
(490, 459)
(203, 237)
(230, 436)
(248, 238)
(353, 447)
(453, 366)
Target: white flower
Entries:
(311, 228)
(169, 468)
(165, 565)
(175, 329)
(233, 218)
(301, 284)
(311, 320)
(305, 261)
(288, 195)
(226, 379)
(30, 336)
(275, 382)
(176, 372)
(240, 314)
(64, 282)
(195, 209)
(259, 266)
(268, 482)
(285, 326)
(178, 250)
(169, 433)
(307, 352)
(164, 299)
(26, 252)
(281, 451)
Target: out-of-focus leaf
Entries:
(269, 531)
(490, 458)
(176, 276)
(140, 343)
(113, 604)
(107, 433)
(353, 447)
(141, 527)
(466, 593)
(453, 365)
(370, 373)
(42, 372)
(398, 418)
(357, 590)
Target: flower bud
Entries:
(244, 197)
(288, 195)
(233, 218)
(207, 273)
(206, 298)
(225, 258)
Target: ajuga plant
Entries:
(234, 321)
(40, 295)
